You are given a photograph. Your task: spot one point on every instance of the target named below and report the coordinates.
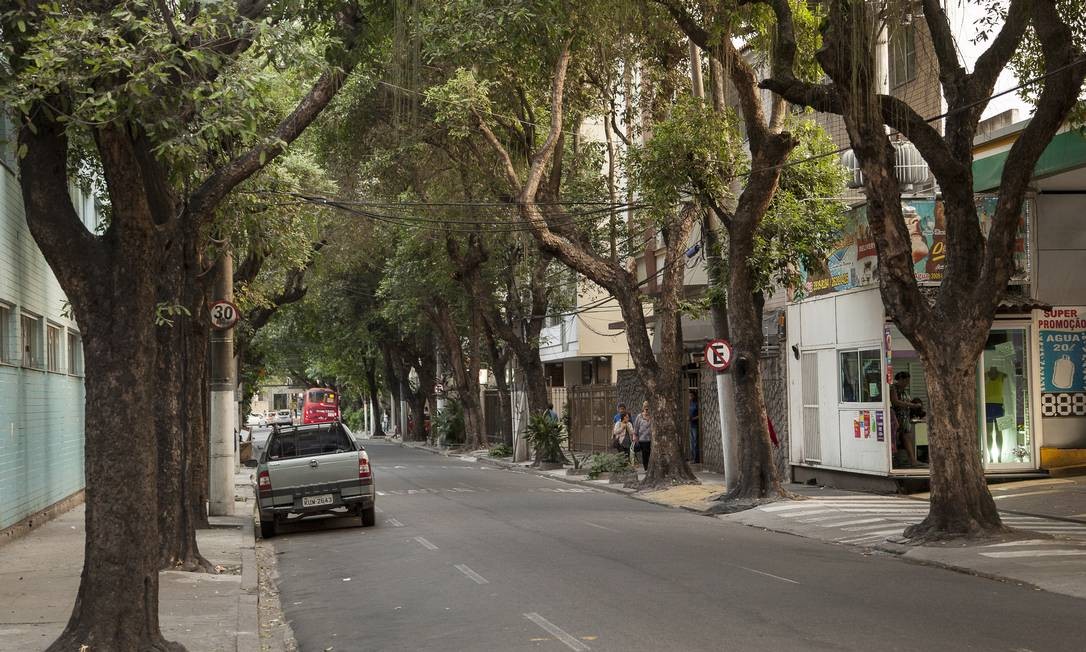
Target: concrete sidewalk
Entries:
(39, 576)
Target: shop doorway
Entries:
(1004, 399)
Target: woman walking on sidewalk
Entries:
(643, 428)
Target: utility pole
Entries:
(223, 383)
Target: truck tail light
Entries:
(263, 481)
(363, 466)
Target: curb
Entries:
(248, 625)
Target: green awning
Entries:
(1067, 151)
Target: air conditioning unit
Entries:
(910, 168)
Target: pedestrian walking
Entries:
(621, 411)
(643, 428)
(622, 435)
(550, 413)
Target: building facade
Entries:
(41, 368)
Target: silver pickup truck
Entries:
(313, 469)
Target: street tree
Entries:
(147, 92)
(949, 330)
(774, 224)
(532, 171)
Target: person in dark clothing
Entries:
(694, 421)
(643, 428)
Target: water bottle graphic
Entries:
(1063, 373)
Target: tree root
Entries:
(190, 564)
(963, 531)
(82, 639)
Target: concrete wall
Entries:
(41, 411)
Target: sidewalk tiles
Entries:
(39, 577)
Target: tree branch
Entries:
(214, 189)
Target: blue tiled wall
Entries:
(41, 412)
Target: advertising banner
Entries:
(853, 262)
(1062, 335)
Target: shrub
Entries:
(545, 436)
(355, 420)
(607, 463)
(501, 450)
(447, 426)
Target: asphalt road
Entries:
(468, 557)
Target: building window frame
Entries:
(74, 351)
(7, 333)
(54, 348)
(902, 56)
(865, 363)
(31, 344)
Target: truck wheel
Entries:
(267, 527)
(369, 516)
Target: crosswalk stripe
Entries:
(1033, 553)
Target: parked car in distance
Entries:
(313, 469)
(282, 417)
(255, 420)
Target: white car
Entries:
(282, 418)
(256, 420)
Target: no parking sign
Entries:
(718, 354)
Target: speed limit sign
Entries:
(224, 315)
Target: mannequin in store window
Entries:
(994, 382)
(903, 407)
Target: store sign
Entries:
(1062, 335)
(853, 263)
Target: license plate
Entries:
(313, 501)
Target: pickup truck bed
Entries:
(313, 469)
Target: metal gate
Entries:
(497, 417)
(591, 417)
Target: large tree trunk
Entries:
(177, 281)
(110, 283)
(392, 382)
(961, 505)
(465, 374)
(375, 400)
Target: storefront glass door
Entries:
(1006, 432)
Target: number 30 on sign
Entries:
(224, 315)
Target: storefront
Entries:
(852, 376)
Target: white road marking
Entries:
(862, 528)
(472, 575)
(469, 458)
(1034, 553)
(394, 523)
(381, 493)
(426, 544)
(781, 508)
(1031, 542)
(1028, 493)
(557, 632)
(851, 521)
(602, 527)
(776, 577)
(378, 510)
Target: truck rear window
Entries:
(309, 442)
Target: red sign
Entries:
(718, 354)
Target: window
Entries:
(903, 56)
(75, 354)
(861, 376)
(30, 330)
(309, 442)
(5, 334)
(8, 136)
(52, 348)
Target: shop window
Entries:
(861, 376)
(52, 348)
(75, 354)
(5, 334)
